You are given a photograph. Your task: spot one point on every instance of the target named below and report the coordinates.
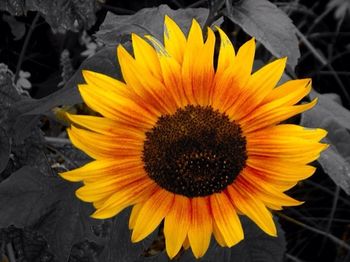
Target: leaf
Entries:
(269, 25)
(333, 117)
(46, 204)
(119, 246)
(146, 21)
(62, 15)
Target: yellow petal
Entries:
(174, 39)
(265, 116)
(226, 219)
(244, 61)
(218, 236)
(117, 107)
(291, 91)
(230, 85)
(226, 91)
(106, 83)
(186, 244)
(281, 145)
(106, 126)
(285, 130)
(263, 190)
(192, 52)
(284, 101)
(101, 146)
(171, 70)
(279, 169)
(260, 84)
(201, 227)
(134, 214)
(203, 73)
(146, 55)
(149, 89)
(124, 197)
(98, 190)
(152, 213)
(253, 208)
(226, 54)
(176, 225)
(99, 169)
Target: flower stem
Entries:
(25, 46)
(315, 230)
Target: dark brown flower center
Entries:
(194, 152)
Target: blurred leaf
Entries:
(18, 28)
(28, 245)
(26, 143)
(32, 150)
(269, 25)
(342, 8)
(119, 246)
(46, 204)
(85, 251)
(333, 117)
(62, 15)
(5, 149)
(146, 21)
(329, 107)
(24, 112)
(256, 246)
(8, 93)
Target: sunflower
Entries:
(192, 143)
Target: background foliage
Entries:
(43, 47)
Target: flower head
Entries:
(192, 143)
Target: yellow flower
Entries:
(192, 143)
